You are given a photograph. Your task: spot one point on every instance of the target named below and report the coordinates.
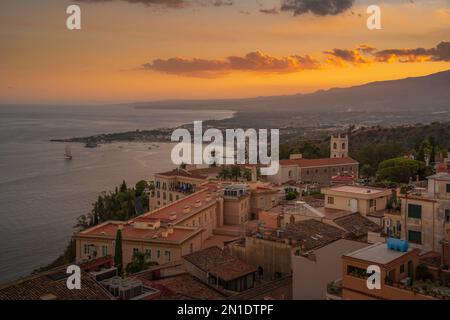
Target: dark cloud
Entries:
(274, 10)
(440, 53)
(251, 62)
(317, 7)
(170, 3)
(346, 55)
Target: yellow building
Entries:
(360, 199)
(173, 185)
(165, 234)
(425, 214)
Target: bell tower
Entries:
(339, 146)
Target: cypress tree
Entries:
(118, 251)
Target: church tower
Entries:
(339, 146)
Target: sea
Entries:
(42, 194)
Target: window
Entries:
(373, 203)
(104, 251)
(402, 269)
(135, 251)
(148, 253)
(448, 187)
(86, 249)
(414, 211)
(191, 248)
(415, 236)
(356, 272)
(447, 215)
(158, 254)
(168, 256)
(330, 200)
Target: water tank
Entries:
(397, 244)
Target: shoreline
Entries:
(159, 135)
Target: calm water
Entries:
(41, 194)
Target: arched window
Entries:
(335, 145)
(343, 146)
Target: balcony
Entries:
(334, 290)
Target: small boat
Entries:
(91, 144)
(68, 153)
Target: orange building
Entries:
(397, 270)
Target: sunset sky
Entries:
(142, 50)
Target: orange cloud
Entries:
(260, 62)
(251, 62)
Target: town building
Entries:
(397, 271)
(271, 250)
(51, 285)
(369, 202)
(165, 234)
(339, 146)
(319, 171)
(221, 270)
(173, 185)
(425, 214)
(324, 171)
(315, 269)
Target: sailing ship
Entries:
(68, 153)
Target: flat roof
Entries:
(358, 190)
(440, 176)
(377, 253)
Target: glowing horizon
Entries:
(129, 52)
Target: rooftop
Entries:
(129, 231)
(357, 190)
(308, 234)
(51, 285)
(219, 263)
(179, 210)
(308, 163)
(183, 287)
(445, 176)
(357, 225)
(377, 253)
(182, 173)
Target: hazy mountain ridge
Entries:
(426, 93)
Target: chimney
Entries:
(170, 229)
(165, 233)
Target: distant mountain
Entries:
(425, 94)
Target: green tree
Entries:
(118, 260)
(367, 171)
(123, 187)
(139, 263)
(400, 170)
(224, 173)
(433, 151)
(236, 172)
(247, 175)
